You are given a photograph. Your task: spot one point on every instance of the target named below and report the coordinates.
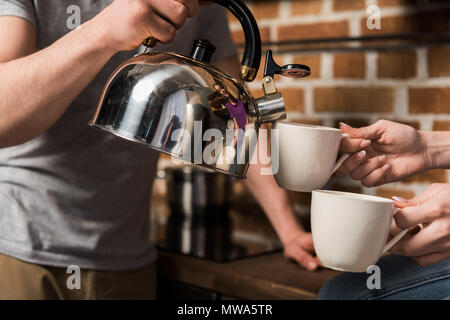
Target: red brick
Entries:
(310, 60)
(355, 123)
(353, 99)
(421, 22)
(439, 61)
(313, 121)
(390, 192)
(299, 7)
(342, 5)
(239, 37)
(397, 64)
(429, 100)
(419, 4)
(265, 9)
(431, 176)
(231, 18)
(441, 126)
(294, 99)
(315, 30)
(349, 65)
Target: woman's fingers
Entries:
(376, 177)
(351, 163)
(430, 259)
(411, 216)
(418, 244)
(368, 166)
(349, 145)
(368, 133)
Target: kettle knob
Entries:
(289, 70)
(203, 50)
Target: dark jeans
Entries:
(401, 279)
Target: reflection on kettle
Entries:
(183, 106)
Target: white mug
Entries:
(304, 157)
(350, 230)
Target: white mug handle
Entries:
(396, 239)
(343, 157)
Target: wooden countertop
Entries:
(268, 276)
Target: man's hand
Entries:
(128, 23)
(432, 209)
(392, 152)
(300, 248)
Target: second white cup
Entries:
(350, 230)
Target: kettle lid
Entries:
(202, 50)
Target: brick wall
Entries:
(406, 83)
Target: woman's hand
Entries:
(126, 24)
(431, 209)
(392, 151)
(300, 248)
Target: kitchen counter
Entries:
(269, 276)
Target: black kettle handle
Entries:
(252, 53)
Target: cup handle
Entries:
(343, 157)
(396, 239)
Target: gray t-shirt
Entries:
(75, 195)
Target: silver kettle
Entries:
(187, 108)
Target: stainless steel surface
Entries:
(271, 108)
(196, 190)
(168, 102)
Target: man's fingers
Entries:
(411, 216)
(350, 145)
(376, 177)
(430, 259)
(191, 5)
(305, 259)
(161, 29)
(308, 243)
(173, 11)
(368, 166)
(353, 162)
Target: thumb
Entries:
(413, 215)
(367, 133)
(308, 243)
(416, 201)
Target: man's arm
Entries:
(297, 243)
(36, 88)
